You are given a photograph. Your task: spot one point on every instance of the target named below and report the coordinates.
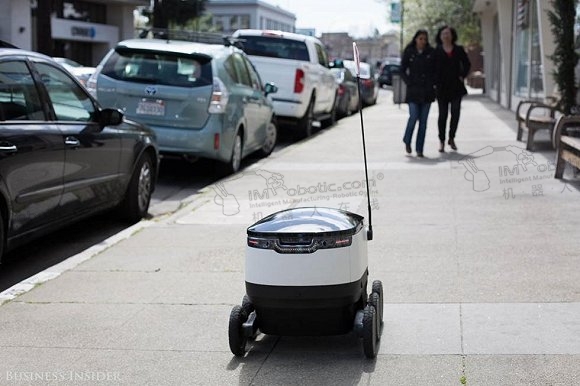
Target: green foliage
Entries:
(431, 15)
(562, 19)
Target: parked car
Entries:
(386, 73)
(369, 90)
(348, 97)
(62, 156)
(83, 73)
(298, 65)
(202, 100)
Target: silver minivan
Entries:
(202, 100)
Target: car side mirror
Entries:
(270, 88)
(110, 117)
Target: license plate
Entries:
(151, 107)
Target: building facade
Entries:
(517, 43)
(372, 50)
(230, 15)
(80, 30)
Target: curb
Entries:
(70, 263)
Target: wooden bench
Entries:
(566, 139)
(532, 116)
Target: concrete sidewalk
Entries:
(479, 264)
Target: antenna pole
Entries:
(362, 126)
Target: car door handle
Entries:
(6, 147)
(72, 142)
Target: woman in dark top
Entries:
(452, 67)
(417, 69)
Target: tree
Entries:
(562, 19)
(430, 15)
(179, 12)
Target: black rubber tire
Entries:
(2, 237)
(233, 165)
(348, 110)
(332, 120)
(378, 289)
(375, 301)
(269, 143)
(247, 305)
(135, 205)
(370, 333)
(236, 336)
(305, 128)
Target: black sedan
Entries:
(62, 156)
(386, 74)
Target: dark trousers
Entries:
(444, 106)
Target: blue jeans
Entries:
(417, 112)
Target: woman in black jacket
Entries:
(452, 67)
(417, 69)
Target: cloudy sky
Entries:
(359, 17)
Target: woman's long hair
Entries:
(413, 43)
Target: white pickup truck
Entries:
(298, 65)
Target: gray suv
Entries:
(202, 100)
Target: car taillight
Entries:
(219, 97)
(340, 89)
(216, 141)
(299, 81)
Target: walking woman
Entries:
(418, 72)
(452, 67)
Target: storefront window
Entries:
(528, 58)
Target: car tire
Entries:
(271, 139)
(135, 204)
(332, 120)
(305, 123)
(2, 237)
(348, 111)
(233, 165)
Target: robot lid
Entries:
(308, 221)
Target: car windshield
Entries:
(274, 47)
(159, 68)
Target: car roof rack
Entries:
(191, 36)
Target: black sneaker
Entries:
(408, 148)
(420, 155)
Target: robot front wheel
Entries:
(372, 321)
(242, 326)
(236, 334)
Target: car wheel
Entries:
(332, 119)
(305, 124)
(135, 205)
(2, 237)
(233, 165)
(270, 140)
